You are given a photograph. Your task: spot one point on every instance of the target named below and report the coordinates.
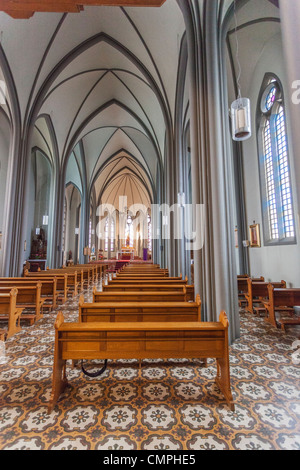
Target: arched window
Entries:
(276, 188)
(109, 233)
(149, 234)
(106, 235)
(65, 225)
(112, 234)
(129, 231)
(90, 233)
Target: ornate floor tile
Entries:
(156, 391)
(159, 443)
(114, 443)
(119, 418)
(197, 417)
(162, 404)
(80, 418)
(159, 417)
(251, 442)
(207, 442)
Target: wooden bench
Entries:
(257, 292)
(243, 287)
(139, 311)
(62, 287)
(190, 290)
(3, 335)
(73, 279)
(282, 300)
(10, 312)
(88, 274)
(157, 272)
(48, 291)
(98, 341)
(28, 297)
(139, 296)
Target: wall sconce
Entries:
(76, 231)
(45, 220)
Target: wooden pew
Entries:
(89, 274)
(98, 341)
(48, 291)
(135, 272)
(120, 279)
(139, 296)
(282, 300)
(73, 282)
(141, 266)
(258, 291)
(28, 297)
(10, 312)
(62, 287)
(190, 290)
(143, 274)
(243, 287)
(3, 334)
(139, 311)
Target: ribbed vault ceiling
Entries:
(103, 81)
(105, 78)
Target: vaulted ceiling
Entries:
(102, 82)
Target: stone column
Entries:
(214, 264)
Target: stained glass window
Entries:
(149, 234)
(276, 182)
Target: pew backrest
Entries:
(139, 311)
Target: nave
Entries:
(162, 405)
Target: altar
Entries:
(126, 252)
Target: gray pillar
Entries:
(290, 19)
(214, 270)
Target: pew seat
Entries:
(62, 283)
(49, 292)
(258, 292)
(10, 313)
(98, 341)
(28, 298)
(243, 288)
(280, 301)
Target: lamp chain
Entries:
(237, 52)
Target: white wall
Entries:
(278, 262)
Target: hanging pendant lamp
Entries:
(241, 107)
(241, 119)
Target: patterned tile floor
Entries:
(164, 405)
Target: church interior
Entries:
(149, 225)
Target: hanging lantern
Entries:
(241, 119)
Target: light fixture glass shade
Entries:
(45, 220)
(76, 231)
(181, 199)
(241, 119)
